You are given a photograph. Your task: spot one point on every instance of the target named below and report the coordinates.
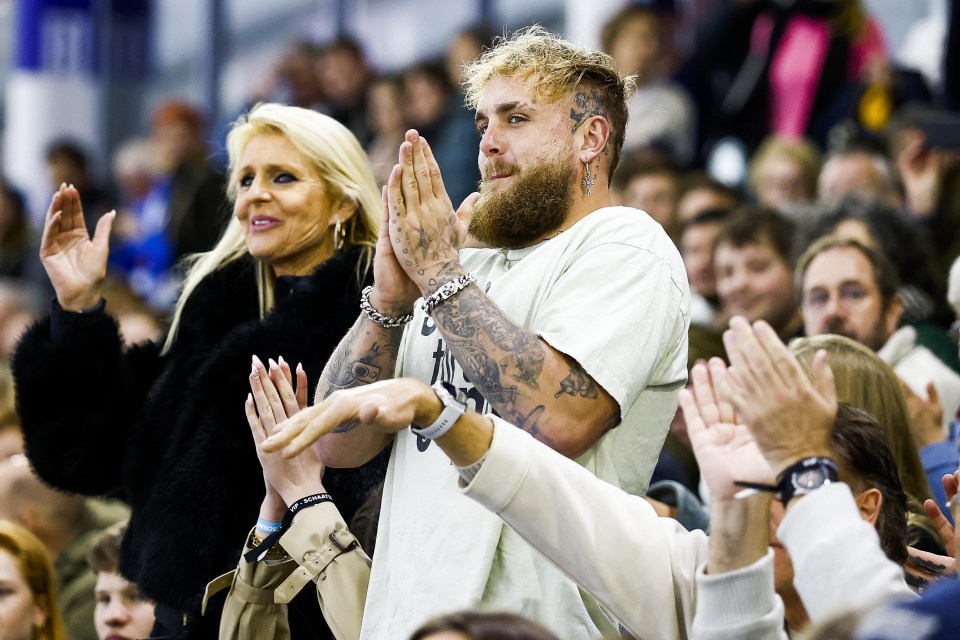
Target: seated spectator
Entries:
(697, 237)
(754, 272)
(783, 172)
(786, 68)
(850, 289)
(857, 172)
(866, 382)
(29, 609)
(67, 525)
(16, 242)
(11, 438)
(344, 74)
(650, 184)
(661, 114)
(293, 79)
(182, 214)
(20, 305)
(120, 613)
(69, 163)
(877, 224)
(699, 192)
(474, 625)
(931, 182)
(437, 112)
(387, 124)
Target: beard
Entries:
(536, 204)
(874, 339)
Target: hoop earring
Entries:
(588, 180)
(339, 236)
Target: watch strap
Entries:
(453, 408)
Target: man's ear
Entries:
(869, 503)
(593, 138)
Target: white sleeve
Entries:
(622, 313)
(837, 560)
(641, 567)
(739, 605)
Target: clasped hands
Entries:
(421, 234)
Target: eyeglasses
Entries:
(849, 295)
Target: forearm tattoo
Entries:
(367, 354)
(504, 361)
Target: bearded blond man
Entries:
(570, 322)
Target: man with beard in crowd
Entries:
(570, 322)
(850, 289)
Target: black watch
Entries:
(805, 476)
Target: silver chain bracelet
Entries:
(447, 290)
(384, 321)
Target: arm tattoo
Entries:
(587, 105)
(347, 368)
(503, 373)
(505, 362)
(577, 382)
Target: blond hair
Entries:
(342, 166)
(865, 381)
(554, 68)
(801, 151)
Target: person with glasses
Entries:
(850, 289)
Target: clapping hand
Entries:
(75, 262)
(790, 417)
(271, 402)
(726, 451)
(425, 230)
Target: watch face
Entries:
(809, 478)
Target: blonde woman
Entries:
(160, 423)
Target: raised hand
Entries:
(75, 262)
(940, 522)
(393, 292)
(271, 401)
(926, 416)
(790, 417)
(424, 228)
(388, 406)
(921, 169)
(725, 449)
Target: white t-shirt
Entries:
(611, 292)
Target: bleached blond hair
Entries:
(342, 166)
(555, 68)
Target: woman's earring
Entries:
(339, 235)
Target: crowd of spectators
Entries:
(786, 153)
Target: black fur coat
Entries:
(168, 433)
